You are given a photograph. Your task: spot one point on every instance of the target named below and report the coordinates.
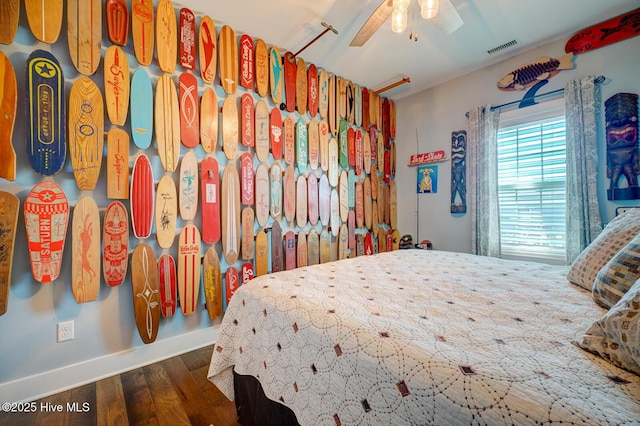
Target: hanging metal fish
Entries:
(542, 68)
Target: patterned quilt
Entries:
(423, 337)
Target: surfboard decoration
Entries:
(117, 13)
(230, 214)
(275, 179)
(262, 196)
(141, 197)
(351, 179)
(8, 105)
(189, 268)
(289, 140)
(313, 136)
(189, 115)
(323, 133)
(302, 146)
(351, 229)
(247, 273)
(44, 18)
(262, 130)
(146, 292)
(86, 132)
(367, 203)
(276, 248)
(604, 33)
(247, 184)
(210, 194)
(45, 113)
(187, 39)
(366, 153)
(313, 211)
(212, 280)
(228, 51)
(246, 61)
(262, 254)
(261, 68)
(232, 282)
(9, 211)
(333, 162)
(289, 64)
(325, 246)
(168, 285)
(115, 244)
(167, 123)
(166, 36)
(247, 116)
(301, 87)
(289, 194)
(84, 34)
(302, 250)
(323, 93)
(334, 219)
(207, 49)
(301, 202)
(331, 107)
(116, 85)
(141, 97)
(248, 218)
(312, 90)
(275, 133)
(324, 200)
(166, 211)
(275, 75)
(85, 265)
(142, 30)
(344, 144)
(230, 137)
(343, 242)
(209, 120)
(365, 109)
(188, 186)
(313, 247)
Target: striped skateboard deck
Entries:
(212, 279)
(248, 218)
(289, 140)
(313, 135)
(115, 244)
(230, 137)
(289, 194)
(313, 247)
(301, 201)
(116, 85)
(9, 211)
(209, 120)
(167, 123)
(145, 292)
(323, 93)
(262, 195)
(86, 132)
(189, 268)
(324, 200)
(290, 71)
(276, 248)
(247, 184)
(142, 30)
(141, 98)
(85, 249)
(189, 106)
(246, 61)
(302, 250)
(262, 130)
(8, 105)
(313, 211)
(232, 282)
(187, 51)
(262, 253)
(323, 131)
(275, 133)
(230, 214)
(275, 202)
(325, 246)
(45, 18)
(275, 76)
(84, 34)
(334, 217)
(333, 162)
(302, 145)
(117, 13)
(188, 187)
(166, 211)
(343, 242)
(210, 194)
(141, 197)
(262, 68)
(301, 87)
(247, 273)
(228, 51)
(166, 36)
(207, 49)
(312, 90)
(9, 17)
(247, 116)
(168, 285)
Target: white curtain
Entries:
(482, 165)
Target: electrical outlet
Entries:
(65, 331)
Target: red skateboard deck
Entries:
(230, 137)
(365, 108)
(276, 247)
(187, 51)
(392, 159)
(275, 180)
(168, 285)
(351, 226)
(85, 249)
(141, 197)
(290, 71)
(343, 242)
(275, 75)
(351, 146)
(115, 244)
(246, 61)
(212, 278)
(167, 123)
(188, 186)
(146, 292)
(45, 19)
(8, 105)
(302, 250)
(386, 122)
(392, 119)
(262, 254)
(313, 136)
(210, 185)
(247, 273)
(189, 268)
(604, 33)
(359, 208)
(230, 214)
(142, 29)
(247, 184)
(116, 85)
(189, 116)
(324, 200)
(313, 247)
(232, 283)
(275, 133)
(262, 68)
(323, 131)
(289, 194)
(301, 87)
(368, 244)
(262, 195)
(228, 52)
(262, 131)
(117, 21)
(207, 49)
(312, 90)
(289, 140)
(247, 120)
(323, 95)
(387, 165)
(84, 34)
(166, 36)
(248, 218)
(9, 212)
(289, 251)
(313, 211)
(359, 154)
(302, 145)
(166, 211)
(141, 99)
(209, 120)
(301, 201)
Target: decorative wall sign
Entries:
(459, 171)
(623, 156)
(427, 157)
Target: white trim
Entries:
(541, 111)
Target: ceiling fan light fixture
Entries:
(399, 20)
(400, 5)
(429, 8)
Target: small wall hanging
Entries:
(459, 171)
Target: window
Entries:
(532, 188)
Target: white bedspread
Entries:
(423, 337)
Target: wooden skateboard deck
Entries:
(368, 244)
(341, 100)
(373, 138)
(290, 71)
(380, 151)
(302, 145)
(343, 242)
(604, 33)
(247, 273)
(289, 194)
(351, 227)
(166, 36)
(373, 108)
(228, 51)
(387, 165)
(141, 197)
(168, 285)
(145, 292)
(116, 85)
(379, 114)
(209, 120)
(188, 186)
(247, 66)
(247, 120)
(357, 90)
(115, 244)
(392, 159)
(374, 216)
(262, 195)
(386, 118)
(334, 219)
(389, 240)
(366, 152)
(117, 13)
(374, 184)
(85, 265)
(332, 106)
(382, 240)
(351, 146)
(325, 246)
(359, 152)
(302, 250)
(262, 131)
(359, 208)
(230, 137)
(187, 51)
(189, 116)
(86, 132)
(141, 97)
(343, 135)
(247, 184)
(210, 193)
(262, 254)
(167, 123)
(314, 144)
(166, 211)
(276, 247)
(289, 251)
(323, 94)
(313, 247)
(212, 278)
(367, 203)
(275, 180)
(387, 210)
(262, 68)
(312, 90)
(344, 195)
(84, 34)
(333, 162)
(351, 179)
(350, 104)
(323, 131)
(301, 201)
(275, 75)
(9, 211)
(189, 268)
(142, 30)
(313, 211)
(396, 239)
(359, 245)
(301, 87)
(230, 214)
(207, 49)
(289, 140)
(248, 218)
(365, 108)
(393, 204)
(8, 105)
(392, 119)
(232, 283)
(44, 87)
(117, 164)
(324, 200)
(44, 18)
(275, 133)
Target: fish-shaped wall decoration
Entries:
(541, 69)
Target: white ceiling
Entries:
(388, 57)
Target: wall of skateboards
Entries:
(295, 168)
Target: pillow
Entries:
(616, 337)
(613, 237)
(618, 275)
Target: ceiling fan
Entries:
(446, 18)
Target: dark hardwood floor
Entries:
(175, 391)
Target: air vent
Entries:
(502, 47)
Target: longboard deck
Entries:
(312, 90)
(302, 250)
(301, 87)
(187, 42)
(324, 200)
(168, 285)
(188, 187)
(301, 201)
(207, 49)
(343, 139)
(343, 242)
(248, 248)
(228, 49)
(262, 131)
(141, 196)
(232, 282)
(365, 108)
(117, 164)
(332, 106)
(289, 250)
(323, 96)
(351, 226)
(141, 99)
(209, 120)
(262, 253)
(359, 154)
(289, 194)
(334, 219)
(9, 17)
(116, 85)
(166, 211)
(275, 76)
(230, 214)
(325, 246)
(166, 36)
(212, 280)
(275, 133)
(117, 13)
(115, 244)
(145, 292)
(247, 184)
(313, 136)
(350, 103)
(275, 180)
(333, 162)
(289, 140)
(142, 30)
(246, 62)
(247, 120)
(262, 195)
(344, 195)
(276, 248)
(323, 131)
(262, 68)
(210, 194)
(302, 145)
(367, 203)
(289, 81)
(313, 211)
(9, 211)
(313, 247)
(167, 123)
(189, 268)
(84, 34)
(189, 114)
(8, 105)
(230, 136)
(85, 265)
(45, 18)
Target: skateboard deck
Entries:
(209, 120)
(275, 133)
(314, 144)
(275, 180)
(262, 131)
(45, 96)
(167, 123)
(301, 87)
(301, 201)
(313, 247)
(302, 250)
(373, 108)
(365, 108)
(115, 244)
(323, 131)
(367, 203)
(166, 36)
(145, 292)
(212, 278)
(343, 135)
(228, 52)
(331, 108)
(289, 251)
(368, 244)
(341, 100)
(247, 184)
(230, 123)
(382, 240)
(116, 85)
(389, 240)
(357, 93)
(380, 151)
(392, 119)
(247, 66)
(230, 214)
(289, 194)
(117, 164)
(323, 93)
(374, 216)
(312, 90)
(351, 146)
(86, 132)
(9, 211)
(396, 239)
(386, 118)
(275, 76)
(387, 165)
(302, 147)
(210, 193)
(366, 152)
(359, 245)
(85, 249)
(44, 18)
(325, 246)
(262, 195)
(142, 30)
(262, 254)
(189, 116)
(333, 162)
(166, 211)
(313, 211)
(276, 247)
(188, 187)
(359, 154)
(386, 204)
(189, 268)
(248, 218)
(290, 71)
(392, 159)
(359, 208)
(262, 68)
(344, 195)
(289, 140)
(84, 34)
(141, 197)
(187, 51)
(324, 200)
(351, 179)
(167, 281)
(8, 105)
(141, 98)
(207, 49)
(351, 227)
(247, 120)
(246, 273)
(393, 204)
(379, 114)
(350, 103)
(232, 282)
(117, 13)
(343, 242)
(604, 33)
(9, 18)
(374, 184)
(373, 138)
(334, 218)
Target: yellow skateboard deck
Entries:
(116, 85)
(262, 253)
(212, 278)
(167, 123)
(84, 34)
(85, 266)
(230, 134)
(44, 17)
(117, 164)
(9, 210)
(166, 36)
(228, 49)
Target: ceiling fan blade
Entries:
(375, 21)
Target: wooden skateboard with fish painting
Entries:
(248, 218)
(166, 211)
(289, 194)
(230, 214)
(230, 137)
(290, 71)
(212, 280)
(145, 292)
(44, 18)
(228, 60)
(302, 250)
(262, 130)
(167, 123)
(168, 285)
(85, 249)
(210, 194)
(289, 250)
(262, 68)
(9, 211)
(188, 186)
(262, 254)
(189, 268)
(209, 120)
(116, 85)
(8, 105)
(187, 42)
(141, 197)
(117, 13)
(247, 120)
(84, 34)
(166, 36)
(232, 282)
(275, 133)
(207, 49)
(247, 185)
(142, 30)
(246, 62)
(115, 244)
(189, 115)
(141, 98)
(604, 33)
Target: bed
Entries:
(422, 337)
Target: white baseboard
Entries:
(51, 382)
